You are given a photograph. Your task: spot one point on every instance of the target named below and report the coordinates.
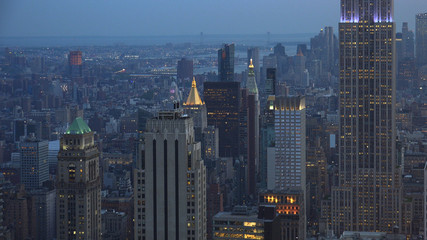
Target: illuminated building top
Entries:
(366, 11)
(194, 97)
(78, 127)
(251, 82)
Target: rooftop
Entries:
(194, 97)
(78, 127)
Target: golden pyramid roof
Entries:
(194, 97)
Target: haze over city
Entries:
(170, 17)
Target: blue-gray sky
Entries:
(176, 17)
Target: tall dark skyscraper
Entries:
(226, 63)
(223, 105)
(368, 195)
(184, 71)
(421, 39)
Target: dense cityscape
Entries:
(323, 137)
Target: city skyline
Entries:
(113, 18)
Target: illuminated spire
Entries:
(251, 82)
(251, 65)
(194, 97)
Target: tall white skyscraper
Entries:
(290, 153)
(170, 181)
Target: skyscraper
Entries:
(421, 39)
(253, 129)
(253, 54)
(170, 181)
(196, 108)
(184, 71)
(270, 84)
(34, 162)
(367, 198)
(223, 106)
(78, 184)
(290, 139)
(75, 64)
(226, 63)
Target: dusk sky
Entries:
(176, 17)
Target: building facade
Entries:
(170, 181)
(421, 39)
(290, 143)
(78, 185)
(34, 162)
(226, 63)
(223, 107)
(368, 195)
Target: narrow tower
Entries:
(78, 185)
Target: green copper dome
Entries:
(78, 127)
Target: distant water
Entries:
(206, 39)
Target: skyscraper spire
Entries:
(251, 82)
(194, 97)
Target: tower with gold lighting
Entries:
(78, 185)
(368, 195)
(196, 108)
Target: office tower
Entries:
(289, 221)
(75, 64)
(214, 205)
(196, 108)
(270, 84)
(253, 53)
(301, 75)
(17, 213)
(34, 162)
(408, 44)
(279, 50)
(253, 130)
(421, 39)
(223, 106)
(170, 181)
(184, 72)
(367, 198)
(44, 216)
(329, 58)
(210, 143)
(78, 184)
(226, 63)
(290, 139)
(267, 143)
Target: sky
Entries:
(44, 18)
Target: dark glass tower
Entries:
(223, 106)
(226, 63)
(368, 195)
